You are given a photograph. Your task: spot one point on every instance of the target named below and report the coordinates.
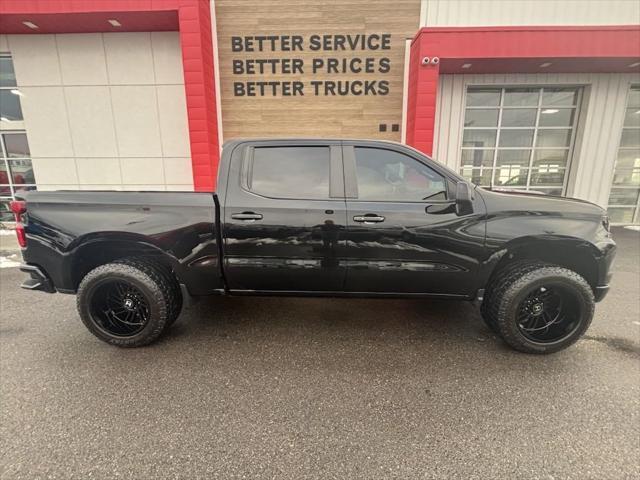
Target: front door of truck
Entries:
(285, 218)
(403, 232)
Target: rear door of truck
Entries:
(285, 217)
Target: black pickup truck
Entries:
(324, 218)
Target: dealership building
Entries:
(141, 94)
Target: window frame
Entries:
(336, 179)
(11, 124)
(5, 159)
(9, 127)
(351, 176)
(576, 106)
(635, 218)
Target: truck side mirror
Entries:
(464, 199)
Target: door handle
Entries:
(247, 216)
(368, 219)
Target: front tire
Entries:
(125, 303)
(544, 309)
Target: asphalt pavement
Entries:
(318, 388)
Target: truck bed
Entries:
(69, 231)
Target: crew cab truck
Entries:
(310, 217)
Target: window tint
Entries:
(384, 175)
(291, 172)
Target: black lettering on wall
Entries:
(351, 74)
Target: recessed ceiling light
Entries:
(635, 64)
(114, 22)
(31, 25)
(550, 110)
(15, 91)
(545, 64)
(466, 65)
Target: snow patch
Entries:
(10, 261)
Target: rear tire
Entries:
(541, 308)
(125, 303)
(172, 287)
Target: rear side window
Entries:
(388, 176)
(290, 172)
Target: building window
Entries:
(624, 199)
(16, 172)
(519, 137)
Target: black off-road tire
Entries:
(149, 282)
(510, 291)
(174, 294)
(505, 276)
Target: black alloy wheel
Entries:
(119, 308)
(539, 307)
(127, 303)
(548, 314)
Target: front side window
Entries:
(290, 172)
(519, 137)
(388, 176)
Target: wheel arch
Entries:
(100, 250)
(573, 253)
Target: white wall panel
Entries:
(443, 13)
(47, 125)
(172, 114)
(167, 57)
(177, 171)
(35, 59)
(148, 187)
(57, 171)
(91, 120)
(129, 58)
(52, 187)
(177, 188)
(136, 121)
(599, 126)
(99, 171)
(104, 111)
(101, 186)
(153, 169)
(82, 60)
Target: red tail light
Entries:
(19, 208)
